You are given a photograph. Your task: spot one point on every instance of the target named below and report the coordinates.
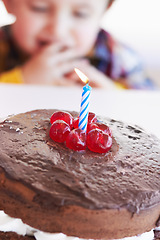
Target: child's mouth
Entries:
(42, 43)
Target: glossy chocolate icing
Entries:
(128, 176)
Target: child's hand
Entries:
(50, 65)
(96, 78)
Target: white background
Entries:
(134, 22)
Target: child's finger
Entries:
(64, 81)
(68, 55)
(96, 78)
(67, 67)
(51, 49)
(62, 50)
(57, 53)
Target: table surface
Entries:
(134, 107)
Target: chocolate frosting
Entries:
(128, 176)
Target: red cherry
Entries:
(62, 115)
(76, 140)
(59, 131)
(92, 118)
(100, 126)
(76, 122)
(98, 141)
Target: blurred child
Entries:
(49, 38)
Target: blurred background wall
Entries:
(133, 22)
(137, 23)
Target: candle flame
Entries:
(81, 75)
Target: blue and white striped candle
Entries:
(85, 101)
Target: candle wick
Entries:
(87, 82)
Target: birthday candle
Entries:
(85, 101)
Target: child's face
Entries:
(43, 22)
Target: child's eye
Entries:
(39, 9)
(81, 14)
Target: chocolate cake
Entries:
(84, 194)
(13, 236)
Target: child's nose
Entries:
(59, 27)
